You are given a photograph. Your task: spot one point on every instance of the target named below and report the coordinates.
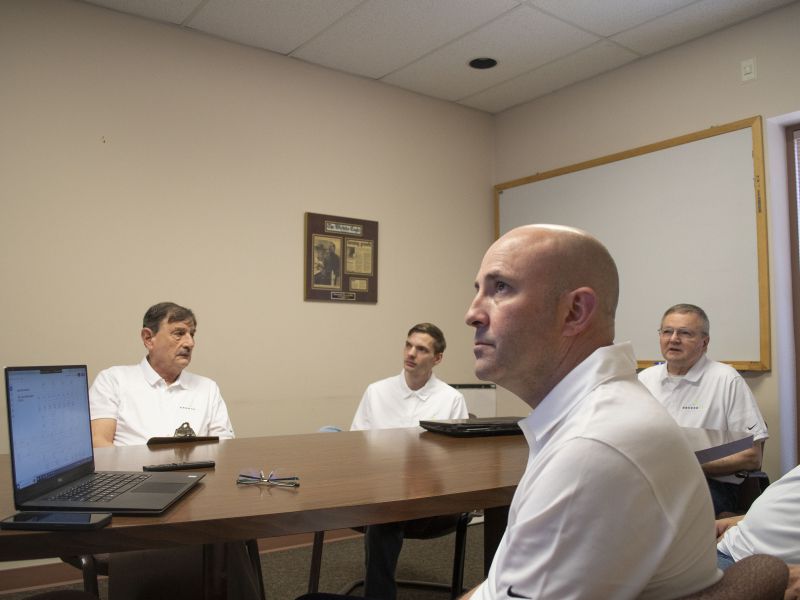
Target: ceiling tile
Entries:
(521, 40)
(384, 35)
(277, 25)
(609, 16)
(425, 45)
(691, 22)
(174, 11)
(597, 58)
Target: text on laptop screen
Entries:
(51, 430)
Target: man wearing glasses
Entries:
(700, 392)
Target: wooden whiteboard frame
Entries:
(763, 363)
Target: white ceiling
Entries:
(425, 45)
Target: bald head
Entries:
(546, 299)
(567, 258)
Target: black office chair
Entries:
(94, 565)
(457, 524)
(754, 484)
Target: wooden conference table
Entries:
(346, 479)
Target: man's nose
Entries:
(188, 341)
(472, 317)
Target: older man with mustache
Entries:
(131, 404)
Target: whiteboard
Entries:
(685, 221)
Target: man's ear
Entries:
(581, 305)
(437, 358)
(147, 337)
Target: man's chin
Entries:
(484, 370)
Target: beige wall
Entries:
(686, 89)
(144, 163)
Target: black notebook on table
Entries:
(52, 460)
(475, 426)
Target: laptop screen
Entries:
(48, 422)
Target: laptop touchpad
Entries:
(157, 487)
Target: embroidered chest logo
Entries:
(691, 404)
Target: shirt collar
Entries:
(696, 371)
(602, 365)
(693, 375)
(153, 378)
(422, 393)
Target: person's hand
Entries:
(793, 589)
(724, 524)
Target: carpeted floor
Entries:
(286, 571)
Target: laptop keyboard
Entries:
(102, 487)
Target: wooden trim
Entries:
(794, 237)
(603, 160)
(759, 186)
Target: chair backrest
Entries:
(757, 577)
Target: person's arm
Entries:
(468, 595)
(361, 420)
(742, 414)
(459, 410)
(220, 424)
(103, 431)
(104, 409)
(793, 589)
(746, 460)
(724, 524)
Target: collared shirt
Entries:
(711, 395)
(600, 512)
(391, 403)
(770, 525)
(144, 406)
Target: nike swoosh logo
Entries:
(751, 426)
(513, 594)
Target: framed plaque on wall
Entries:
(341, 259)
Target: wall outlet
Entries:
(748, 69)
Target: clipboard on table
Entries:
(182, 439)
(183, 435)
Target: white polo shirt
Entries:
(600, 512)
(771, 525)
(144, 406)
(391, 403)
(712, 395)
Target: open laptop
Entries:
(52, 461)
(475, 426)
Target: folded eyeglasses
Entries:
(257, 477)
